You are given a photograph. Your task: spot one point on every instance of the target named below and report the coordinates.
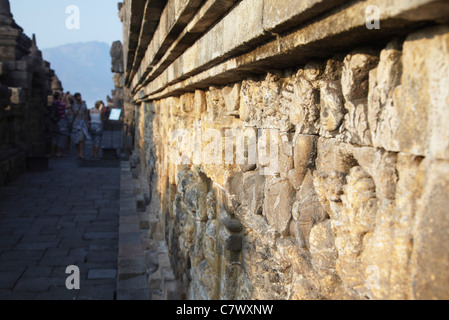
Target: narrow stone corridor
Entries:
(268, 150)
(50, 220)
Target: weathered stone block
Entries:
(249, 28)
(200, 103)
(233, 225)
(322, 246)
(21, 79)
(295, 178)
(430, 258)
(279, 196)
(381, 165)
(231, 241)
(253, 191)
(355, 85)
(422, 97)
(307, 102)
(231, 95)
(21, 65)
(281, 14)
(381, 110)
(304, 153)
(258, 224)
(332, 106)
(355, 75)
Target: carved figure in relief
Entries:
(356, 124)
(354, 225)
(355, 85)
(306, 211)
(307, 102)
(357, 219)
(286, 97)
(332, 107)
(355, 76)
(313, 71)
(270, 93)
(251, 102)
(382, 112)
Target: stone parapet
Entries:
(27, 84)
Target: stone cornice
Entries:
(216, 48)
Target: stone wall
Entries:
(117, 97)
(294, 152)
(121, 98)
(26, 86)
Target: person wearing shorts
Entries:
(96, 128)
(80, 131)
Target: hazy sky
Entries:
(58, 22)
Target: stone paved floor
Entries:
(49, 220)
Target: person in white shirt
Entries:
(96, 127)
(80, 130)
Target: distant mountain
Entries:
(83, 67)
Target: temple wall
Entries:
(292, 150)
(27, 84)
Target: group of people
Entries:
(73, 122)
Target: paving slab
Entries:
(68, 215)
(102, 274)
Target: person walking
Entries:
(69, 101)
(80, 131)
(96, 127)
(60, 127)
(52, 127)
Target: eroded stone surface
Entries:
(354, 208)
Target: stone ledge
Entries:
(131, 279)
(208, 61)
(133, 10)
(174, 17)
(152, 14)
(153, 65)
(268, 17)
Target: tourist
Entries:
(69, 101)
(79, 127)
(60, 128)
(52, 127)
(96, 127)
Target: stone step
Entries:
(155, 282)
(144, 259)
(171, 291)
(144, 220)
(131, 276)
(133, 289)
